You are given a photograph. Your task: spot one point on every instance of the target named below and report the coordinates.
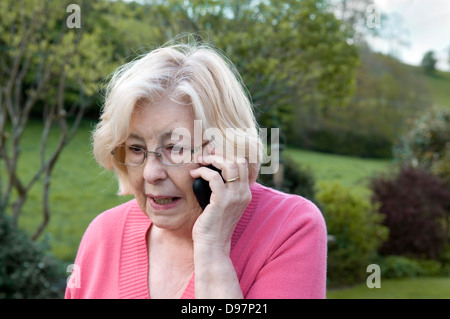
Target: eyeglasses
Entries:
(169, 155)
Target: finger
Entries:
(230, 170)
(213, 177)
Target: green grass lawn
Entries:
(413, 288)
(439, 84)
(351, 171)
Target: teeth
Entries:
(163, 201)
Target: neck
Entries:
(177, 246)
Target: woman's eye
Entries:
(135, 149)
(177, 149)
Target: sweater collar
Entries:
(133, 272)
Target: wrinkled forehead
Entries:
(162, 121)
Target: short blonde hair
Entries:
(195, 75)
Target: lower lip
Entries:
(163, 206)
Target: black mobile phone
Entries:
(201, 189)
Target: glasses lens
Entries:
(129, 155)
(175, 154)
(171, 155)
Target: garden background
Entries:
(363, 135)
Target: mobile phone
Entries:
(201, 189)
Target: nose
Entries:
(154, 170)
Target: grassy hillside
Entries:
(439, 86)
(350, 171)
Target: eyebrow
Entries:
(166, 135)
(161, 138)
(135, 136)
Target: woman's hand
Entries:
(215, 226)
(215, 276)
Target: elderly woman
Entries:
(249, 241)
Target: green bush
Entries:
(296, 179)
(432, 268)
(357, 231)
(347, 141)
(399, 267)
(394, 266)
(26, 269)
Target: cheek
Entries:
(185, 185)
(136, 180)
(137, 185)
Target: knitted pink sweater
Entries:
(278, 250)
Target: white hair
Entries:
(193, 75)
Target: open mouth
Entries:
(160, 200)
(165, 201)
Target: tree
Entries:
(429, 62)
(291, 54)
(448, 55)
(49, 69)
(426, 144)
(362, 17)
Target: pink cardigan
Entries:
(278, 250)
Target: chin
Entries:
(179, 219)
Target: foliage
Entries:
(26, 269)
(48, 70)
(80, 190)
(289, 53)
(387, 95)
(429, 61)
(296, 179)
(427, 143)
(399, 267)
(357, 230)
(393, 266)
(414, 204)
(340, 138)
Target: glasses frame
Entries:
(157, 153)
